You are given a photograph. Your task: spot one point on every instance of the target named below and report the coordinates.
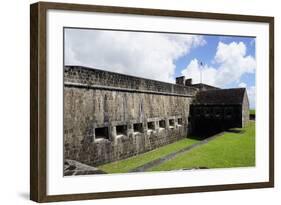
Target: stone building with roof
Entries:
(219, 109)
(111, 116)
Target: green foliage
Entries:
(232, 149)
(136, 161)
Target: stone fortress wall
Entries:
(110, 116)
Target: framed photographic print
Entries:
(135, 102)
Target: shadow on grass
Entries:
(203, 135)
(236, 131)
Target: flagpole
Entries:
(201, 68)
(200, 74)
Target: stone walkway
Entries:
(161, 160)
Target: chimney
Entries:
(188, 82)
(180, 80)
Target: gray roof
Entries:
(220, 96)
(204, 86)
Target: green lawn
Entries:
(133, 162)
(252, 112)
(228, 150)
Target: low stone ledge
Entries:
(72, 167)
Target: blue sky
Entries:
(228, 61)
(206, 54)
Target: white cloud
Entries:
(149, 55)
(194, 69)
(231, 62)
(251, 91)
(242, 85)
